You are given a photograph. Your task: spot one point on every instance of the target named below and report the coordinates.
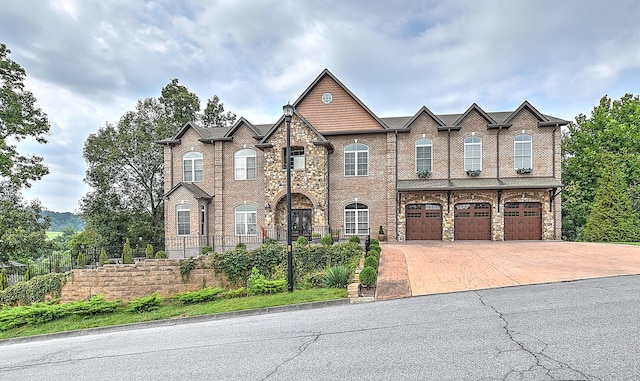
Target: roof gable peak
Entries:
(479, 110)
(528, 106)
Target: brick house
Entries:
(474, 175)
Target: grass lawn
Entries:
(52, 235)
(171, 308)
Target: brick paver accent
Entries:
(436, 267)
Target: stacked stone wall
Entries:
(127, 282)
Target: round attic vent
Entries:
(327, 98)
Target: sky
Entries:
(89, 61)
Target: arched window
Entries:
(183, 219)
(424, 155)
(356, 219)
(245, 164)
(192, 167)
(246, 220)
(522, 149)
(356, 160)
(473, 154)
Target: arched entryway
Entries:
(301, 215)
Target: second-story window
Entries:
(356, 160)
(192, 167)
(424, 155)
(473, 154)
(245, 164)
(522, 151)
(296, 161)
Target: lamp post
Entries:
(288, 112)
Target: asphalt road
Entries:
(583, 330)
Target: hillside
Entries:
(61, 220)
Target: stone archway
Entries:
(301, 216)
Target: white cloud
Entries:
(89, 62)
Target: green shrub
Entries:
(56, 266)
(258, 284)
(80, 261)
(302, 240)
(311, 279)
(206, 250)
(270, 241)
(235, 264)
(327, 240)
(39, 313)
(148, 251)
(368, 276)
(103, 257)
(373, 253)
(337, 276)
(145, 304)
(4, 279)
(354, 239)
(237, 293)
(186, 265)
(267, 258)
(161, 255)
(33, 291)
(127, 253)
(200, 296)
(374, 241)
(371, 261)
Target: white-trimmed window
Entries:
(356, 219)
(192, 167)
(522, 149)
(245, 164)
(424, 155)
(356, 160)
(296, 161)
(246, 220)
(473, 154)
(183, 219)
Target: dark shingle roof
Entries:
(478, 184)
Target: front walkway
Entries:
(430, 267)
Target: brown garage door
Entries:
(472, 221)
(424, 221)
(522, 221)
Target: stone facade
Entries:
(323, 129)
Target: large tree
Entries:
(125, 166)
(22, 228)
(612, 130)
(19, 119)
(612, 218)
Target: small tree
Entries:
(4, 279)
(103, 257)
(127, 253)
(612, 218)
(148, 252)
(80, 261)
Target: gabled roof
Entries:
(424, 110)
(527, 106)
(327, 73)
(195, 190)
(475, 107)
(239, 124)
(322, 140)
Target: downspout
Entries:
(553, 172)
(397, 193)
(171, 167)
(449, 154)
(498, 163)
(328, 192)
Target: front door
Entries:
(301, 223)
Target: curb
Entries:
(177, 321)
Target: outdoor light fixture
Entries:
(288, 112)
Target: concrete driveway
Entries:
(430, 267)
